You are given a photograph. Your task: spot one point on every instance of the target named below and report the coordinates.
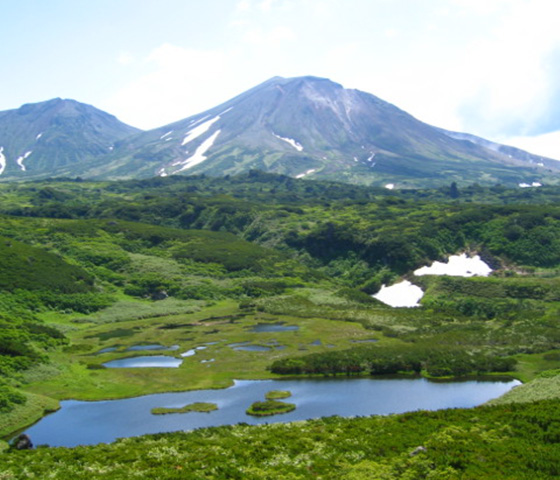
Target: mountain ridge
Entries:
(311, 127)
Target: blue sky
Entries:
(488, 67)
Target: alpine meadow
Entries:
(302, 282)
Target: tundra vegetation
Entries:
(88, 270)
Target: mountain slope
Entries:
(312, 127)
(53, 137)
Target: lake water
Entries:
(86, 423)
(159, 361)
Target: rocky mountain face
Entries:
(302, 127)
(55, 138)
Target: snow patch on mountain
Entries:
(20, 160)
(403, 294)
(192, 123)
(199, 130)
(2, 160)
(166, 134)
(390, 186)
(198, 156)
(291, 141)
(458, 266)
(301, 175)
(530, 185)
(38, 136)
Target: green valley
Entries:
(195, 267)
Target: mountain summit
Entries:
(312, 127)
(55, 137)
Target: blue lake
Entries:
(83, 423)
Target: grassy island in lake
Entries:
(192, 407)
(269, 407)
(278, 394)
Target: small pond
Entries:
(273, 327)
(83, 423)
(192, 351)
(160, 361)
(252, 348)
(106, 350)
(151, 347)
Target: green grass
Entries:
(22, 415)
(192, 407)
(278, 394)
(546, 386)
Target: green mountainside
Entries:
(314, 128)
(192, 260)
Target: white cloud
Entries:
(125, 58)
(263, 38)
(243, 6)
(547, 145)
(178, 82)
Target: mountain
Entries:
(314, 128)
(54, 137)
(301, 127)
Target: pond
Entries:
(160, 361)
(155, 346)
(86, 423)
(273, 327)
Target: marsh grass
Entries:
(269, 408)
(278, 394)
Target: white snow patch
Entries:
(2, 160)
(198, 156)
(540, 164)
(403, 294)
(111, 148)
(20, 160)
(524, 185)
(390, 186)
(198, 131)
(457, 266)
(355, 159)
(192, 123)
(291, 141)
(166, 134)
(38, 136)
(225, 111)
(529, 185)
(301, 175)
(371, 157)
(168, 138)
(536, 184)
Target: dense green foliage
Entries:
(435, 360)
(504, 442)
(190, 261)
